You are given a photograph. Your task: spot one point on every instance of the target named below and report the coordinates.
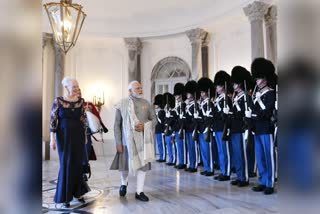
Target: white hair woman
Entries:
(67, 127)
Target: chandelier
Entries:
(66, 20)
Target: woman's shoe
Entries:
(81, 199)
(66, 205)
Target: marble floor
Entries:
(169, 191)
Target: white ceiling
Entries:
(126, 18)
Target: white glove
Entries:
(196, 115)
(168, 114)
(248, 113)
(180, 116)
(258, 95)
(276, 105)
(226, 110)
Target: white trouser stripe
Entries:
(163, 148)
(245, 158)
(210, 154)
(276, 169)
(272, 158)
(228, 155)
(177, 149)
(184, 149)
(196, 150)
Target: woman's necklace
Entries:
(71, 98)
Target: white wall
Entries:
(230, 47)
(100, 65)
(155, 49)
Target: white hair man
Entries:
(134, 125)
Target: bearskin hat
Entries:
(158, 100)
(262, 68)
(191, 87)
(169, 99)
(205, 84)
(178, 89)
(239, 75)
(221, 78)
(273, 82)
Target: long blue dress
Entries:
(67, 121)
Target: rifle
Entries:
(275, 119)
(247, 127)
(226, 129)
(208, 135)
(182, 124)
(195, 133)
(167, 129)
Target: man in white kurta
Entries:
(134, 135)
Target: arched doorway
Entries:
(166, 73)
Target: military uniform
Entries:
(220, 121)
(240, 76)
(204, 126)
(169, 122)
(262, 110)
(160, 113)
(190, 125)
(178, 127)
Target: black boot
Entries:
(235, 182)
(259, 188)
(243, 184)
(268, 191)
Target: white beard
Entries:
(137, 95)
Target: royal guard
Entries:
(169, 105)
(221, 126)
(205, 86)
(242, 82)
(263, 72)
(178, 126)
(160, 113)
(190, 125)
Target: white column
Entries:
(134, 51)
(59, 70)
(256, 12)
(271, 34)
(205, 55)
(48, 69)
(196, 37)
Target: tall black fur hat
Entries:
(191, 87)
(220, 78)
(239, 75)
(263, 68)
(158, 100)
(205, 84)
(178, 89)
(169, 98)
(273, 82)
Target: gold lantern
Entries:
(66, 20)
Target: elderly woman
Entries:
(67, 127)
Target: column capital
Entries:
(206, 40)
(271, 16)
(133, 43)
(46, 38)
(256, 10)
(197, 35)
